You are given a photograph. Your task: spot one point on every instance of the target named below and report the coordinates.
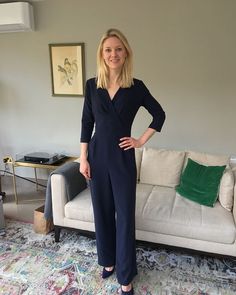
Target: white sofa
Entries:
(162, 215)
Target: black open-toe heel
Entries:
(107, 273)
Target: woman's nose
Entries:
(113, 53)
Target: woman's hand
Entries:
(129, 143)
(85, 169)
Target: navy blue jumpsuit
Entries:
(113, 170)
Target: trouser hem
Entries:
(127, 281)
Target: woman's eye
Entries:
(119, 49)
(107, 50)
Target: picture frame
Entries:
(67, 69)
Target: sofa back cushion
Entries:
(161, 167)
(226, 191)
(207, 159)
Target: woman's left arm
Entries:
(158, 118)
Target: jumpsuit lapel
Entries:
(113, 107)
(116, 105)
(104, 104)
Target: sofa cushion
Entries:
(167, 212)
(161, 167)
(226, 191)
(200, 183)
(142, 192)
(138, 158)
(80, 207)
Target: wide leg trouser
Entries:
(113, 197)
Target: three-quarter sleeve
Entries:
(87, 123)
(153, 107)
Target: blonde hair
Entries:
(126, 75)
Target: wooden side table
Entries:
(22, 163)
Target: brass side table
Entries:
(2, 194)
(21, 163)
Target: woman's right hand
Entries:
(85, 169)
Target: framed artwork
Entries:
(67, 69)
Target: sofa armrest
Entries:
(59, 198)
(234, 204)
(66, 183)
(74, 183)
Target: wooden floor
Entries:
(28, 198)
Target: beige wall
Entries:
(184, 51)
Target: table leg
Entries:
(1, 193)
(36, 179)
(14, 183)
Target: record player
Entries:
(42, 158)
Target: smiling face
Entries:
(114, 53)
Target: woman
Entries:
(112, 100)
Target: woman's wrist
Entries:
(141, 141)
(83, 158)
(146, 136)
(84, 151)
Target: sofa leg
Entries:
(57, 231)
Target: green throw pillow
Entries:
(200, 183)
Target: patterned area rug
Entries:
(33, 264)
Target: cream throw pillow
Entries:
(207, 159)
(161, 167)
(226, 190)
